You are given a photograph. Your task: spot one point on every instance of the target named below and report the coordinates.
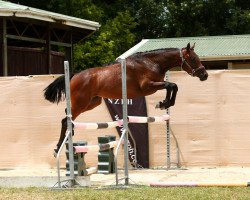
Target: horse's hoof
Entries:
(157, 105)
(162, 105)
(55, 152)
(163, 108)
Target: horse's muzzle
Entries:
(204, 76)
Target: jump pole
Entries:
(113, 124)
(100, 147)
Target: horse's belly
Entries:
(110, 87)
(116, 93)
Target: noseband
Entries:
(193, 71)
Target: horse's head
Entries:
(192, 64)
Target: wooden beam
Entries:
(48, 47)
(71, 50)
(28, 39)
(5, 49)
(63, 44)
(69, 53)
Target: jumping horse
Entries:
(145, 75)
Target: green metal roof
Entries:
(229, 47)
(8, 9)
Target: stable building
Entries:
(31, 39)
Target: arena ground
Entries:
(141, 176)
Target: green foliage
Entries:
(106, 45)
(126, 22)
(152, 17)
(85, 9)
(190, 18)
(182, 18)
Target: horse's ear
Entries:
(192, 48)
(188, 46)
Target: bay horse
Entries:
(145, 75)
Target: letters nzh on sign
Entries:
(120, 101)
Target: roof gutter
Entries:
(132, 50)
(50, 17)
(228, 57)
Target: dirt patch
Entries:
(146, 176)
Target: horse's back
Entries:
(106, 81)
(97, 81)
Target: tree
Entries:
(32, 3)
(152, 19)
(182, 18)
(114, 38)
(125, 22)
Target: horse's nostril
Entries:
(204, 77)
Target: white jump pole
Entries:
(100, 147)
(113, 124)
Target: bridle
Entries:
(191, 70)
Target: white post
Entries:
(125, 118)
(122, 60)
(69, 123)
(168, 131)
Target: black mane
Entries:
(141, 54)
(155, 51)
(110, 63)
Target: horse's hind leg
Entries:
(63, 131)
(76, 111)
(62, 135)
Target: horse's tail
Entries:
(55, 92)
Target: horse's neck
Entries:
(162, 61)
(167, 60)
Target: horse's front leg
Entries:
(174, 89)
(171, 89)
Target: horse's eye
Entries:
(192, 59)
